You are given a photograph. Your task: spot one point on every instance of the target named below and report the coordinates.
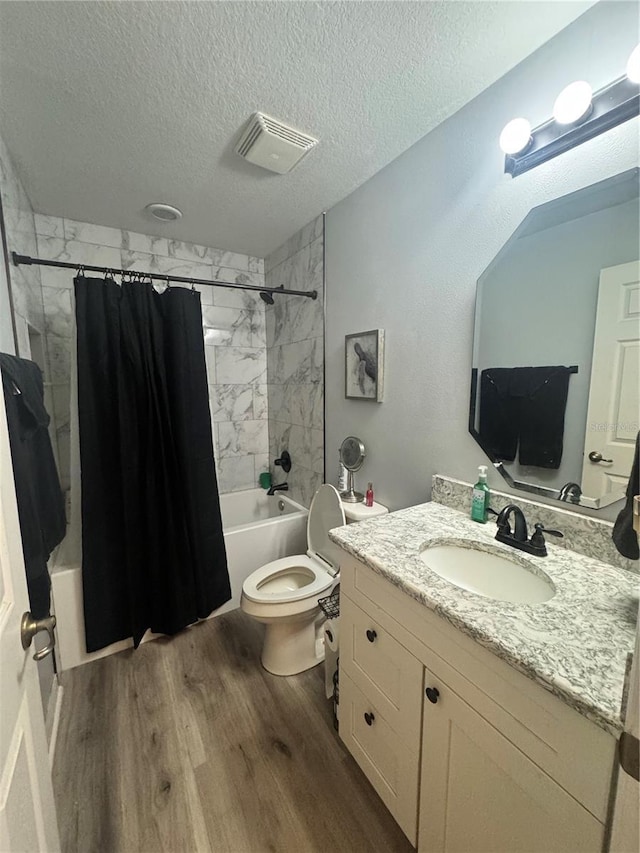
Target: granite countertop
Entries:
(575, 645)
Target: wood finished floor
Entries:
(189, 745)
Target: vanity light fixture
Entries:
(516, 136)
(579, 114)
(633, 65)
(573, 103)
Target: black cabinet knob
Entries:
(371, 635)
(369, 718)
(432, 694)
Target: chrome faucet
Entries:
(283, 487)
(571, 493)
(517, 538)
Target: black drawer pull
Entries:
(371, 635)
(369, 718)
(432, 694)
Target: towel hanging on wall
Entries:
(38, 492)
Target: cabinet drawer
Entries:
(388, 763)
(383, 669)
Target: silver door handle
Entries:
(29, 627)
(594, 456)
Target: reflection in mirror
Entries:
(555, 387)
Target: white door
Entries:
(27, 811)
(614, 394)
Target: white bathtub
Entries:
(257, 529)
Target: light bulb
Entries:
(573, 103)
(633, 65)
(515, 136)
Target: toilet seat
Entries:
(302, 575)
(277, 573)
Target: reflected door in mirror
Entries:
(614, 394)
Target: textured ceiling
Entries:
(108, 106)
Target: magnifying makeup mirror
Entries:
(352, 455)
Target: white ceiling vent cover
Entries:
(273, 145)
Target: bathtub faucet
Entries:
(283, 487)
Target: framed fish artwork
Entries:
(364, 365)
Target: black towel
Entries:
(524, 406)
(38, 493)
(499, 424)
(624, 536)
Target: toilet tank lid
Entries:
(325, 513)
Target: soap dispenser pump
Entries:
(480, 497)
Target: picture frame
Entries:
(364, 365)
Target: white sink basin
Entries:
(489, 574)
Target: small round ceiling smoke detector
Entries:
(163, 212)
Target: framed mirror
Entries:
(555, 380)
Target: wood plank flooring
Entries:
(188, 744)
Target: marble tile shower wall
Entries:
(295, 361)
(25, 282)
(234, 332)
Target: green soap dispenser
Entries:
(480, 497)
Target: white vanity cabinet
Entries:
(467, 753)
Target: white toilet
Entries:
(284, 594)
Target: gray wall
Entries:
(7, 338)
(538, 307)
(405, 250)
(295, 328)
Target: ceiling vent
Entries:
(273, 145)
(163, 212)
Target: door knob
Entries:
(594, 456)
(371, 635)
(29, 627)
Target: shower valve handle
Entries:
(284, 461)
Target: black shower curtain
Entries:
(153, 553)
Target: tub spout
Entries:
(283, 487)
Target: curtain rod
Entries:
(25, 259)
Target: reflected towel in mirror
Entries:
(523, 409)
